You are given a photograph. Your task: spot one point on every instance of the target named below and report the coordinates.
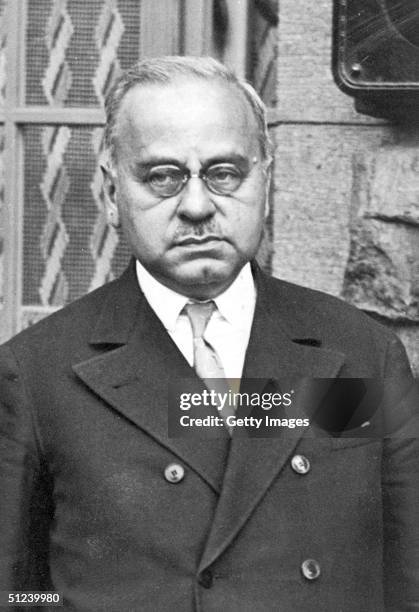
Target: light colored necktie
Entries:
(207, 363)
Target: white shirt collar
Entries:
(235, 304)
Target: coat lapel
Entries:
(133, 376)
(277, 352)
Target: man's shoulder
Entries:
(71, 324)
(316, 312)
(303, 311)
(301, 299)
(299, 306)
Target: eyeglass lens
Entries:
(167, 181)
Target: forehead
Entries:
(190, 114)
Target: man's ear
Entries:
(109, 189)
(268, 174)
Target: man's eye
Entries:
(223, 173)
(224, 176)
(164, 176)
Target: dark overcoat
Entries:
(86, 508)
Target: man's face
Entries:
(194, 242)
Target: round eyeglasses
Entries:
(167, 181)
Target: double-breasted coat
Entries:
(98, 503)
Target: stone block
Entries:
(314, 181)
(382, 274)
(388, 184)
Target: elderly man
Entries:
(99, 503)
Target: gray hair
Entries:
(164, 70)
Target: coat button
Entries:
(310, 569)
(205, 579)
(174, 473)
(300, 464)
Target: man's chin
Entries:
(204, 279)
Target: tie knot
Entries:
(199, 315)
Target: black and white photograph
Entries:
(209, 305)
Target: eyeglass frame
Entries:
(187, 175)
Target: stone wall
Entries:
(346, 216)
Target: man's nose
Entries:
(195, 200)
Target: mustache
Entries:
(198, 230)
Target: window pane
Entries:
(68, 247)
(74, 48)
